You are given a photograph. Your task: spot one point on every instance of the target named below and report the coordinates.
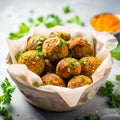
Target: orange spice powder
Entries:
(106, 22)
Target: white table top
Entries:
(13, 12)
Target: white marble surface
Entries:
(13, 12)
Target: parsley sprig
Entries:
(76, 19)
(22, 31)
(89, 117)
(5, 98)
(108, 91)
(116, 52)
(66, 9)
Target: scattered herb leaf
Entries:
(60, 43)
(19, 54)
(107, 90)
(66, 9)
(5, 98)
(116, 52)
(5, 113)
(36, 84)
(52, 20)
(76, 20)
(89, 117)
(22, 31)
(69, 69)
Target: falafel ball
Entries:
(79, 48)
(49, 67)
(68, 67)
(53, 79)
(63, 35)
(34, 42)
(54, 48)
(89, 65)
(78, 81)
(34, 62)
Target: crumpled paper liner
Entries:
(102, 44)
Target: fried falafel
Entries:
(62, 35)
(34, 42)
(78, 81)
(53, 79)
(34, 62)
(55, 48)
(89, 65)
(79, 48)
(68, 67)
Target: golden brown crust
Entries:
(79, 48)
(55, 49)
(33, 62)
(89, 65)
(68, 67)
(35, 41)
(62, 35)
(53, 79)
(78, 81)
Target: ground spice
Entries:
(106, 22)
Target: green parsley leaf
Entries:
(114, 101)
(69, 69)
(36, 84)
(89, 117)
(76, 20)
(66, 9)
(19, 54)
(52, 20)
(31, 20)
(107, 90)
(60, 43)
(8, 89)
(116, 52)
(81, 62)
(40, 19)
(5, 98)
(5, 113)
(22, 31)
(117, 77)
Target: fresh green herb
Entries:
(73, 83)
(5, 98)
(68, 44)
(31, 20)
(36, 84)
(39, 52)
(19, 54)
(81, 77)
(76, 20)
(74, 63)
(60, 43)
(8, 89)
(69, 69)
(89, 117)
(56, 53)
(40, 41)
(117, 77)
(22, 31)
(5, 113)
(81, 62)
(116, 52)
(52, 20)
(107, 90)
(66, 9)
(40, 19)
